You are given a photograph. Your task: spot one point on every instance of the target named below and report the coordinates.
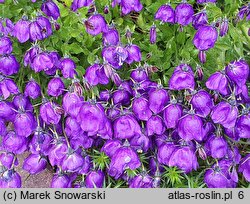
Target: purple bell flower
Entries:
(22, 30)
(10, 179)
(14, 143)
(111, 37)
(24, 124)
(92, 118)
(72, 103)
(126, 85)
(5, 46)
(50, 9)
(238, 72)
(60, 181)
(9, 65)
(242, 126)
(96, 24)
(122, 97)
(115, 56)
(155, 125)
(22, 103)
(46, 28)
(6, 26)
(86, 165)
(32, 89)
(165, 152)
(141, 181)
(234, 155)
(34, 163)
(244, 11)
(95, 75)
(56, 63)
(134, 54)
(72, 127)
(72, 162)
(124, 158)
(205, 38)
(95, 179)
(35, 31)
(184, 14)
(158, 100)
(218, 82)
(200, 19)
(80, 3)
(50, 113)
(139, 74)
(202, 103)
(8, 87)
(182, 78)
(128, 6)
(166, 14)
(55, 87)
(110, 147)
(184, 158)
(225, 114)
(42, 61)
(68, 67)
(57, 153)
(216, 146)
(190, 127)
(126, 127)
(152, 34)
(140, 107)
(106, 131)
(218, 176)
(7, 111)
(171, 114)
(40, 143)
(7, 158)
(105, 95)
(140, 142)
(30, 55)
(245, 167)
(81, 140)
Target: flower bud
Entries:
(5, 46)
(153, 34)
(224, 27)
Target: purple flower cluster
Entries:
(139, 117)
